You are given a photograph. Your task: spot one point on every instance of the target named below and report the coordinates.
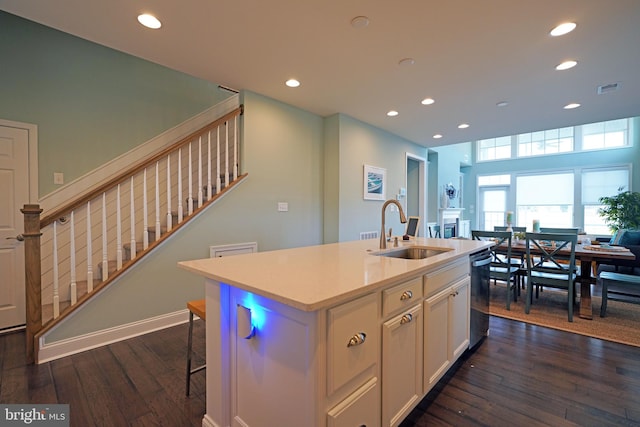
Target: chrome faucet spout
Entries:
(403, 219)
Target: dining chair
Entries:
(550, 268)
(500, 268)
(569, 230)
(515, 229)
(517, 261)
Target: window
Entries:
(598, 183)
(551, 141)
(494, 148)
(547, 198)
(493, 200)
(610, 134)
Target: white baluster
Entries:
(72, 260)
(169, 216)
(200, 195)
(190, 184)
(218, 182)
(180, 208)
(90, 247)
(209, 189)
(118, 231)
(157, 202)
(145, 222)
(56, 284)
(105, 250)
(133, 222)
(235, 148)
(226, 154)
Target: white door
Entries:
(14, 193)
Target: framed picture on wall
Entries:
(375, 183)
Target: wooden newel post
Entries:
(33, 289)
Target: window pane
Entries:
(547, 198)
(612, 133)
(593, 222)
(600, 183)
(494, 180)
(549, 189)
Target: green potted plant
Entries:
(621, 211)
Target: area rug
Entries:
(622, 323)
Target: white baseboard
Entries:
(208, 422)
(67, 347)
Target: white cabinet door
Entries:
(358, 409)
(446, 330)
(436, 338)
(459, 318)
(401, 365)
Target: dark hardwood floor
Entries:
(520, 375)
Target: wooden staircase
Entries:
(100, 228)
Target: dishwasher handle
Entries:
(481, 262)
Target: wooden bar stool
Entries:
(198, 308)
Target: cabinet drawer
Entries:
(400, 296)
(353, 340)
(358, 409)
(445, 276)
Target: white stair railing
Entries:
(67, 250)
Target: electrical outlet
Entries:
(283, 206)
(58, 178)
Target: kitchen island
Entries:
(332, 335)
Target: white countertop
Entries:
(316, 277)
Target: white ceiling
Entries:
(469, 55)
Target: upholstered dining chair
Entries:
(501, 269)
(551, 262)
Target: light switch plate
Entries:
(283, 206)
(58, 178)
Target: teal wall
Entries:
(90, 103)
(282, 153)
(362, 144)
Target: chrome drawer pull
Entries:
(357, 339)
(406, 295)
(406, 318)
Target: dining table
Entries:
(585, 255)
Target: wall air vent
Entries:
(608, 88)
(365, 235)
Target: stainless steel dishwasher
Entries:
(480, 281)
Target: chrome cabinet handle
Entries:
(406, 295)
(357, 339)
(406, 318)
(19, 238)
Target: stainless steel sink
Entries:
(412, 252)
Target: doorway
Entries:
(416, 190)
(18, 186)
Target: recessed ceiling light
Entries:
(292, 83)
(149, 21)
(406, 61)
(563, 29)
(566, 65)
(360, 22)
(571, 106)
(437, 136)
(392, 113)
(427, 101)
(463, 125)
(502, 104)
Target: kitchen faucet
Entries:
(403, 219)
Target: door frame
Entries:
(422, 189)
(33, 154)
(32, 165)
